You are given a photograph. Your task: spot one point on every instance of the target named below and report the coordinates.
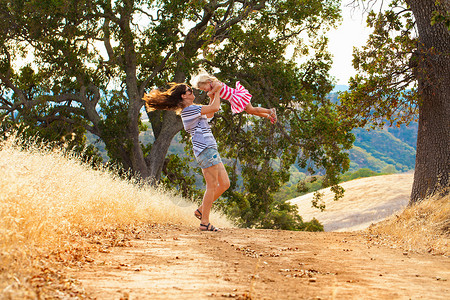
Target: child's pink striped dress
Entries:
(238, 97)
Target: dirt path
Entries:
(175, 262)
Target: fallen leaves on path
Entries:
(177, 262)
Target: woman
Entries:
(180, 99)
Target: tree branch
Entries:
(287, 136)
(159, 14)
(245, 12)
(155, 72)
(107, 42)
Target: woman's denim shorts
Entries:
(208, 158)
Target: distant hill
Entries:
(385, 148)
(391, 149)
(366, 201)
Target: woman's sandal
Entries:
(198, 214)
(273, 116)
(208, 227)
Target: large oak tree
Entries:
(405, 73)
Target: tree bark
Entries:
(165, 124)
(433, 74)
(135, 98)
(170, 125)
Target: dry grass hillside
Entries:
(424, 227)
(366, 201)
(50, 203)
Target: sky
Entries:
(351, 33)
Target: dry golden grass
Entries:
(421, 227)
(51, 203)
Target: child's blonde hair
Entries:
(200, 78)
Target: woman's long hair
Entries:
(166, 100)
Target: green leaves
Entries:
(385, 88)
(441, 15)
(113, 127)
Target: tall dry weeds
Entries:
(424, 227)
(50, 200)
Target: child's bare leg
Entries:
(257, 111)
(261, 111)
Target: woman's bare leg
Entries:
(224, 181)
(217, 182)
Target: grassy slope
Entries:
(366, 200)
(376, 149)
(51, 206)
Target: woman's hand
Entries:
(214, 105)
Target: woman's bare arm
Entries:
(212, 107)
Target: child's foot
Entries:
(273, 116)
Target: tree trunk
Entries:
(165, 124)
(136, 156)
(433, 74)
(169, 126)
